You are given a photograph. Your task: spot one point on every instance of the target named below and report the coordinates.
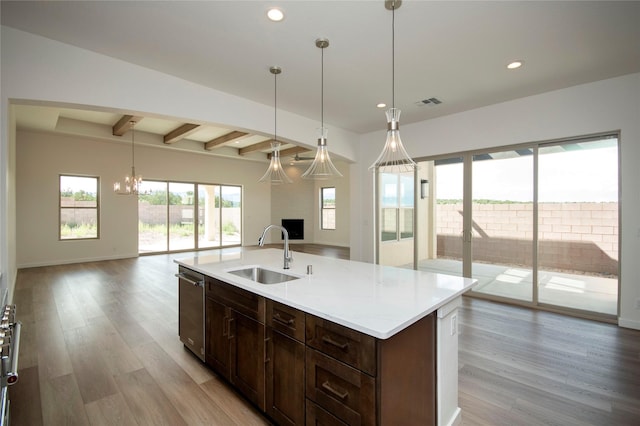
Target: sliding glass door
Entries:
(181, 216)
(178, 216)
(208, 216)
(578, 225)
(153, 220)
(446, 208)
(535, 224)
(502, 223)
(230, 215)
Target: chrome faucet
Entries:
(287, 255)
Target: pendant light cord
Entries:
(275, 107)
(133, 151)
(393, 55)
(322, 87)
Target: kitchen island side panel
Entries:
(407, 382)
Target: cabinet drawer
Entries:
(316, 416)
(285, 319)
(243, 301)
(349, 346)
(342, 390)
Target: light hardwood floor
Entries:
(100, 347)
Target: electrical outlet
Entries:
(638, 303)
(454, 324)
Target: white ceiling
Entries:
(453, 50)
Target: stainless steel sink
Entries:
(263, 276)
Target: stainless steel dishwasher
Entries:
(191, 310)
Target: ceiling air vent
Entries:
(430, 101)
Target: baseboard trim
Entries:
(626, 323)
(455, 420)
(70, 261)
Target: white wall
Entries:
(340, 235)
(42, 157)
(607, 105)
(301, 200)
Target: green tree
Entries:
(159, 198)
(83, 195)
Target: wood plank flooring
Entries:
(100, 347)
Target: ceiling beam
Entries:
(291, 151)
(124, 124)
(180, 133)
(255, 147)
(214, 143)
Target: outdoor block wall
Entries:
(572, 236)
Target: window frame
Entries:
(400, 201)
(218, 199)
(61, 207)
(323, 208)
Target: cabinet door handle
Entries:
(225, 324)
(330, 341)
(231, 336)
(266, 350)
(277, 318)
(342, 395)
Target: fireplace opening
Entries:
(295, 227)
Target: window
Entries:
(396, 203)
(175, 216)
(79, 207)
(328, 208)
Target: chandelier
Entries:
(132, 183)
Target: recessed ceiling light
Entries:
(515, 64)
(381, 105)
(275, 14)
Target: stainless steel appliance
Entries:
(191, 309)
(9, 349)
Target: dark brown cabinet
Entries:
(235, 338)
(285, 364)
(218, 347)
(355, 379)
(303, 370)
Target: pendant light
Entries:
(132, 183)
(275, 174)
(394, 157)
(322, 167)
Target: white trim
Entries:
(80, 260)
(627, 323)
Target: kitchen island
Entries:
(349, 342)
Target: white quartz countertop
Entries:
(376, 300)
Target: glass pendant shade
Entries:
(275, 174)
(131, 184)
(394, 157)
(322, 166)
